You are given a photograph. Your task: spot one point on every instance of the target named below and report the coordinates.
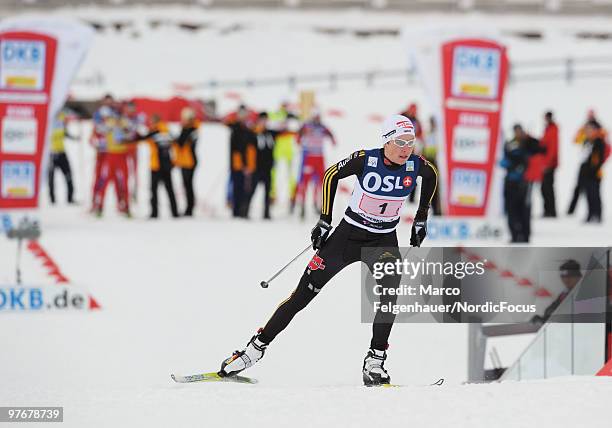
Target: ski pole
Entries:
(265, 284)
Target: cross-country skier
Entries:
(385, 178)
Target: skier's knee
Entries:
(308, 286)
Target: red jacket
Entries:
(550, 140)
(535, 165)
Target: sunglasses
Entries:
(400, 142)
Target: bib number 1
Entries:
(380, 207)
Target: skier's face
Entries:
(397, 154)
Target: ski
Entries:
(439, 382)
(212, 377)
(215, 377)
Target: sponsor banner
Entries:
(17, 180)
(27, 63)
(38, 59)
(473, 78)
(465, 228)
(475, 71)
(6, 223)
(471, 144)
(44, 298)
(23, 64)
(19, 135)
(465, 77)
(468, 187)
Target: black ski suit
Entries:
(344, 247)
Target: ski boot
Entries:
(374, 372)
(240, 360)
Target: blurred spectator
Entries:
(98, 142)
(134, 123)
(160, 143)
(277, 120)
(110, 139)
(594, 149)
(242, 162)
(430, 151)
(243, 114)
(550, 141)
(517, 190)
(116, 160)
(581, 133)
(579, 187)
(311, 137)
(264, 162)
(58, 157)
(534, 173)
(285, 122)
(411, 113)
(570, 275)
(186, 158)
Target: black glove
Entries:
(419, 232)
(319, 234)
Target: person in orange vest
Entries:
(247, 117)
(550, 141)
(594, 152)
(161, 163)
(243, 155)
(580, 136)
(185, 155)
(583, 171)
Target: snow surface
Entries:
(179, 296)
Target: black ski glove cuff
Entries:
(319, 234)
(421, 214)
